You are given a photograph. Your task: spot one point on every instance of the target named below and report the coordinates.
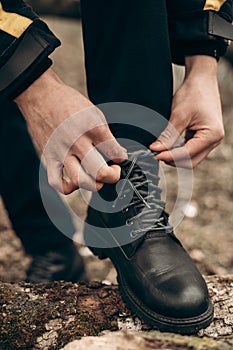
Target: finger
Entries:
(112, 150)
(97, 168)
(56, 178)
(194, 151)
(54, 172)
(109, 174)
(77, 177)
(108, 145)
(168, 138)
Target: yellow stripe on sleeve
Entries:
(12, 23)
(214, 5)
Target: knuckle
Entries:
(175, 114)
(87, 184)
(102, 175)
(178, 114)
(53, 183)
(221, 135)
(112, 149)
(82, 183)
(99, 186)
(74, 180)
(218, 135)
(165, 135)
(100, 131)
(193, 165)
(165, 138)
(114, 153)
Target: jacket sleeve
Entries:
(25, 44)
(199, 27)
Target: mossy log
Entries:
(49, 316)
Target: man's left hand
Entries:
(196, 107)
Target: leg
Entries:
(128, 59)
(19, 188)
(127, 52)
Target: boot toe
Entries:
(180, 301)
(192, 302)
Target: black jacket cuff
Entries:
(27, 60)
(189, 35)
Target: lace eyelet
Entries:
(125, 210)
(129, 223)
(133, 234)
(122, 197)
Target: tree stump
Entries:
(49, 316)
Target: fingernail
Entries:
(155, 145)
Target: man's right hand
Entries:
(70, 131)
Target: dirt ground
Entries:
(206, 230)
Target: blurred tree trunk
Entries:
(50, 316)
(229, 55)
(67, 8)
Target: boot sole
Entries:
(163, 323)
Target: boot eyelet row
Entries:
(133, 234)
(129, 223)
(121, 197)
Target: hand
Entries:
(196, 107)
(68, 128)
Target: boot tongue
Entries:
(141, 171)
(146, 209)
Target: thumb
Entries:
(169, 138)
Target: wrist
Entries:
(40, 87)
(201, 66)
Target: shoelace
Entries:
(142, 177)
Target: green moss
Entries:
(85, 325)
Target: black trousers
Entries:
(128, 59)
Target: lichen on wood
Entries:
(49, 316)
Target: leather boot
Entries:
(127, 223)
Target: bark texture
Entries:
(51, 316)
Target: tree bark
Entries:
(49, 316)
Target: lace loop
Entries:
(142, 177)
